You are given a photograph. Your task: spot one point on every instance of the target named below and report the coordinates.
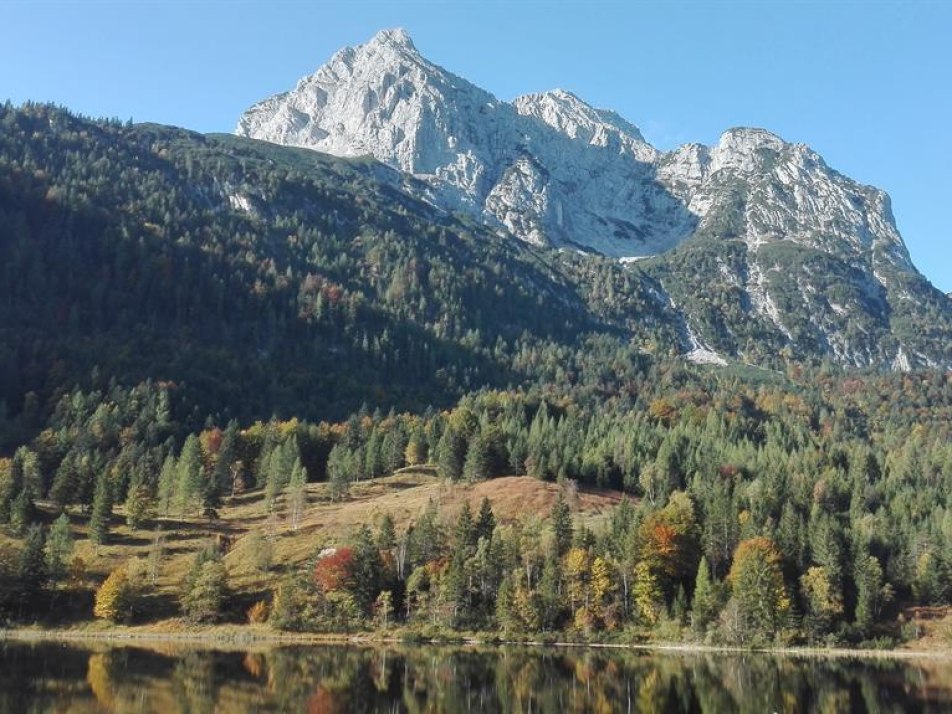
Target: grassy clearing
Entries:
(404, 496)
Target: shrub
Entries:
(258, 613)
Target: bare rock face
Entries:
(552, 170)
(547, 167)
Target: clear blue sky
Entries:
(867, 84)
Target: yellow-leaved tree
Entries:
(116, 597)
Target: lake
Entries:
(51, 677)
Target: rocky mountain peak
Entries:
(565, 112)
(395, 37)
(551, 169)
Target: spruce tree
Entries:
(59, 548)
(476, 466)
(485, 521)
(139, 505)
(386, 534)
(297, 494)
(465, 532)
(102, 510)
(562, 525)
(167, 481)
(366, 569)
(31, 569)
(189, 477)
(704, 606)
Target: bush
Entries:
(258, 613)
(292, 607)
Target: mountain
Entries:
(762, 247)
(268, 280)
(255, 279)
(547, 167)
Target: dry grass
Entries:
(404, 496)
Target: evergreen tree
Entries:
(477, 464)
(705, 605)
(31, 571)
(387, 534)
(139, 506)
(167, 481)
(102, 510)
(758, 589)
(485, 521)
(188, 488)
(562, 525)
(297, 494)
(22, 511)
(366, 570)
(465, 535)
(59, 548)
(451, 454)
(205, 588)
(339, 472)
(871, 593)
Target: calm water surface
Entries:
(69, 678)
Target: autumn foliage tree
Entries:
(116, 597)
(759, 592)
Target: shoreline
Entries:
(225, 638)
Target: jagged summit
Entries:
(396, 37)
(551, 169)
(566, 113)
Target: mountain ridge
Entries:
(550, 169)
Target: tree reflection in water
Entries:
(331, 679)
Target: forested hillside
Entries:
(269, 280)
(214, 336)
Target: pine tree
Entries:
(758, 589)
(22, 511)
(102, 510)
(338, 472)
(465, 532)
(205, 588)
(705, 604)
(139, 506)
(367, 569)
(394, 448)
(31, 570)
(485, 521)
(189, 477)
(167, 481)
(871, 594)
(477, 463)
(386, 534)
(562, 525)
(451, 454)
(59, 548)
(297, 494)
